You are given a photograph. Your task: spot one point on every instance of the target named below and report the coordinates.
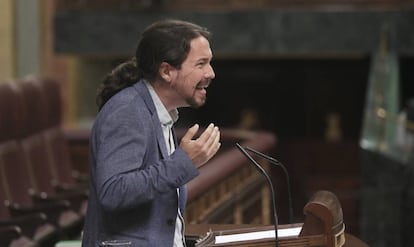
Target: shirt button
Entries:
(170, 222)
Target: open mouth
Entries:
(203, 86)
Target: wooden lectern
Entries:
(323, 226)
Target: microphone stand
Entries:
(278, 163)
(264, 173)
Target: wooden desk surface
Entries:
(202, 229)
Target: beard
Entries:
(194, 100)
(193, 103)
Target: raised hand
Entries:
(203, 148)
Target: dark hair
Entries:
(163, 41)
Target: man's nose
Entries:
(210, 72)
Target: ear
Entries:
(167, 72)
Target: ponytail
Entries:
(124, 75)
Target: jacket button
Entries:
(170, 222)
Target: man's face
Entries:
(195, 74)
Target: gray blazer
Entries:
(133, 180)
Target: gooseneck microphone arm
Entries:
(264, 173)
(278, 163)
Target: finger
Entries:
(212, 138)
(206, 134)
(217, 147)
(215, 144)
(190, 133)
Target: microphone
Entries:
(278, 163)
(264, 173)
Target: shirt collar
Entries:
(166, 118)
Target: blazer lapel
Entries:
(143, 91)
(160, 136)
(174, 136)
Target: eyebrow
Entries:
(204, 59)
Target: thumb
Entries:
(190, 133)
